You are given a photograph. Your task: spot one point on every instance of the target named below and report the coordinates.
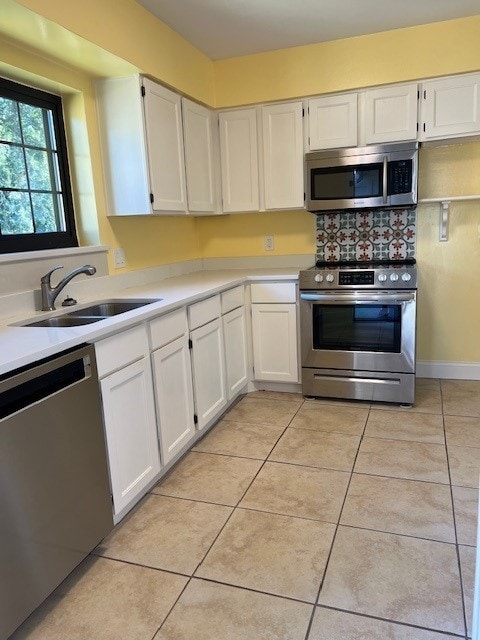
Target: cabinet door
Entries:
(391, 114)
(235, 333)
(333, 121)
(208, 363)
(239, 160)
(274, 329)
(163, 123)
(451, 107)
(283, 155)
(174, 397)
(199, 156)
(131, 431)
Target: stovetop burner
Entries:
(407, 262)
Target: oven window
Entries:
(357, 328)
(345, 183)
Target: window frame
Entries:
(16, 243)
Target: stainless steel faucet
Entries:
(49, 293)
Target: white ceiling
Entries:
(227, 28)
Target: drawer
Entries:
(168, 328)
(273, 292)
(124, 348)
(233, 298)
(202, 312)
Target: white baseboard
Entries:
(286, 387)
(448, 370)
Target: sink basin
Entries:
(62, 321)
(94, 313)
(109, 308)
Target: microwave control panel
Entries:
(400, 177)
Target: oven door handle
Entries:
(329, 298)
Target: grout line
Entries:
(336, 528)
(457, 547)
(447, 634)
(221, 530)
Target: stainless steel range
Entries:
(358, 330)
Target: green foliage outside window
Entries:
(34, 185)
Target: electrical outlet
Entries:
(119, 259)
(268, 243)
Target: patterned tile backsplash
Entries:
(366, 235)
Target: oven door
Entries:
(361, 331)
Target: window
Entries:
(36, 208)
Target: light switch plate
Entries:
(119, 259)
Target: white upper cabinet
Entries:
(282, 126)
(451, 107)
(199, 156)
(390, 114)
(163, 123)
(155, 147)
(239, 160)
(123, 146)
(333, 121)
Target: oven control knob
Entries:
(329, 278)
(382, 277)
(394, 277)
(319, 277)
(406, 277)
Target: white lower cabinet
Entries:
(131, 431)
(274, 330)
(235, 335)
(209, 376)
(174, 397)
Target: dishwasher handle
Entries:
(30, 386)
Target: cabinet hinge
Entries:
(151, 198)
(195, 418)
(142, 91)
(304, 197)
(418, 94)
(111, 498)
(425, 94)
(190, 344)
(303, 112)
(424, 128)
(417, 126)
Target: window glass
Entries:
(36, 210)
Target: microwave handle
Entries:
(385, 177)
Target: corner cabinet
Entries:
(451, 107)
(282, 128)
(262, 157)
(239, 160)
(158, 150)
(200, 157)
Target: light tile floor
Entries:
(295, 520)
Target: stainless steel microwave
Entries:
(362, 178)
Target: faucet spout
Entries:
(49, 293)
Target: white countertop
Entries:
(20, 346)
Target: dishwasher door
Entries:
(55, 503)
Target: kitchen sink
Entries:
(94, 313)
(109, 308)
(62, 321)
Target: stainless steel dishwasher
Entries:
(55, 503)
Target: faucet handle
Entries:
(46, 277)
